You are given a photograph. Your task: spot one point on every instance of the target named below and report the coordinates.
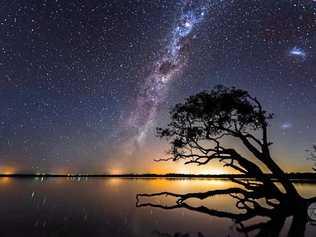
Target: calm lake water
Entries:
(106, 207)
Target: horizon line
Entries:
(312, 174)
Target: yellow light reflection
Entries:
(115, 181)
(5, 180)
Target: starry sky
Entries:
(83, 83)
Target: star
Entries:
(286, 125)
(298, 52)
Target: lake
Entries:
(107, 207)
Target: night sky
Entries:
(83, 83)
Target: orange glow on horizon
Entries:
(180, 168)
(116, 171)
(7, 170)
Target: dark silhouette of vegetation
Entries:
(312, 155)
(198, 133)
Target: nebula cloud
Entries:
(167, 68)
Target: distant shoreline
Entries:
(291, 176)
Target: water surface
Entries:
(106, 207)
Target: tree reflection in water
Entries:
(256, 199)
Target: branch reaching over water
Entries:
(203, 195)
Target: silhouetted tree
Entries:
(199, 126)
(197, 134)
(312, 155)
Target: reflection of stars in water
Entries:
(298, 52)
